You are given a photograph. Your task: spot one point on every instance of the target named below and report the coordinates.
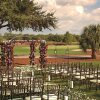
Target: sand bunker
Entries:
(77, 50)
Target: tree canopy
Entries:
(68, 38)
(20, 14)
(90, 38)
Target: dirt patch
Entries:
(24, 61)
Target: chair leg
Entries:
(96, 86)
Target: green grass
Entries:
(18, 50)
(93, 62)
(61, 50)
(94, 94)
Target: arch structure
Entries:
(7, 52)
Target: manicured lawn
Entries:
(93, 62)
(61, 50)
(21, 50)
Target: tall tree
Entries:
(68, 38)
(20, 14)
(90, 38)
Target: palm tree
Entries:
(90, 38)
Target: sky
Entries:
(72, 15)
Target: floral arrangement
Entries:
(32, 52)
(43, 52)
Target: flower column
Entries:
(32, 52)
(9, 55)
(43, 51)
(3, 61)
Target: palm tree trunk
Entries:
(93, 54)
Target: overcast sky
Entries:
(72, 15)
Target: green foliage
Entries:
(51, 37)
(48, 37)
(76, 38)
(20, 14)
(1, 38)
(55, 38)
(90, 38)
(9, 36)
(25, 37)
(68, 38)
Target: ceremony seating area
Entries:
(52, 82)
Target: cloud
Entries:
(75, 2)
(62, 2)
(71, 14)
(83, 2)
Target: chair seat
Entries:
(95, 81)
(39, 69)
(7, 93)
(37, 89)
(55, 72)
(33, 98)
(48, 83)
(50, 97)
(16, 99)
(98, 76)
(65, 72)
(5, 79)
(81, 78)
(76, 73)
(89, 76)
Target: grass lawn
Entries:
(21, 50)
(61, 50)
(93, 62)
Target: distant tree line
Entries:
(67, 38)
